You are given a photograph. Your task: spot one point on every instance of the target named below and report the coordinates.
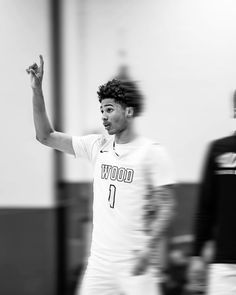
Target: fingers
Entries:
(32, 69)
(138, 272)
(140, 269)
(41, 63)
(41, 60)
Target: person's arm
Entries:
(45, 132)
(205, 219)
(161, 206)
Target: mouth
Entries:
(106, 125)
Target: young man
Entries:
(133, 199)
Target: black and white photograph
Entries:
(118, 147)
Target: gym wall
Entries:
(28, 246)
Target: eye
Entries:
(109, 110)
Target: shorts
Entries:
(221, 279)
(104, 277)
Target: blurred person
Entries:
(133, 189)
(216, 223)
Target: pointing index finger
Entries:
(41, 62)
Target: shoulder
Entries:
(88, 145)
(224, 141)
(154, 147)
(222, 145)
(155, 152)
(92, 139)
(158, 164)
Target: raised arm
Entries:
(45, 132)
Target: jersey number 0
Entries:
(112, 195)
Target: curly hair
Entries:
(125, 93)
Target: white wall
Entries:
(183, 54)
(26, 166)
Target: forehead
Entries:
(108, 102)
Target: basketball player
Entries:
(133, 198)
(216, 220)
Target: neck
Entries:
(126, 135)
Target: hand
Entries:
(196, 274)
(36, 74)
(143, 261)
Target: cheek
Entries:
(121, 124)
(118, 120)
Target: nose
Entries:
(104, 116)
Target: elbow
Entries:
(42, 139)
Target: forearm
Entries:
(204, 228)
(42, 124)
(204, 223)
(158, 214)
(163, 216)
(206, 210)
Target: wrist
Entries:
(37, 90)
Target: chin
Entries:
(111, 132)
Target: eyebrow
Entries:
(107, 105)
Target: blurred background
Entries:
(181, 52)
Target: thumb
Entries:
(31, 71)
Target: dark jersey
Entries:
(216, 214)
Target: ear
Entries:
(129, 112)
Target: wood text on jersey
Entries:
(117, 173)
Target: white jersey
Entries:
(124, 175)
